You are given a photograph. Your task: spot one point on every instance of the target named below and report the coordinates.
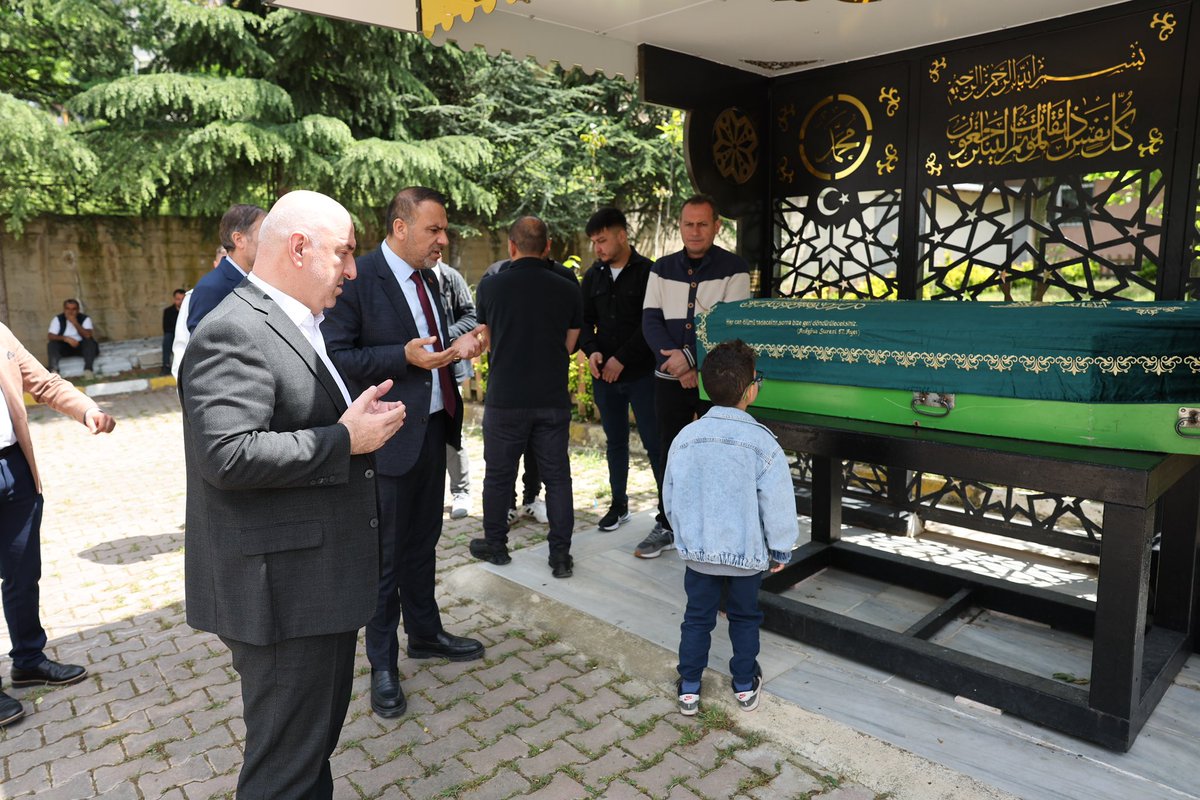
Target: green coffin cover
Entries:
(1087, 352)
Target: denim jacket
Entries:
(728, 492)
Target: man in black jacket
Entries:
(460, 319)
(621, 363)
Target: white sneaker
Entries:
(748, 700)
(537, 510)
(460, 506)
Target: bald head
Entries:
(306, 248)
(527, 237)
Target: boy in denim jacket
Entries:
(728, 494)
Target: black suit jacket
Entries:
(282, 530)
(211, 290)
(365, 334)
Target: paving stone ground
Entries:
(160, 713)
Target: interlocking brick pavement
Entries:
(160, 714)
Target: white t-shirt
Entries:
(70, 332)
(8, 436)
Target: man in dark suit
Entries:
(282, 542)
(391, 323)
(239, 236)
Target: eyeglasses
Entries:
(758, 378)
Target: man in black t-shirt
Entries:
(531, 480)
(534, 317)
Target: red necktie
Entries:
(449, 399)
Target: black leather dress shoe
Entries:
(11, 710)
(387, 698)
(492, 552)
(445, 645)
(562, 566)
(49, 673)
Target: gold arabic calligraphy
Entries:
(1054, 130)
(1025, 73)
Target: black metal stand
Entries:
(1135, 655)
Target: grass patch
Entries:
(158, 749)
(752, 781)
(715, 718)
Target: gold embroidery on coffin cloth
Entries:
(1073, 365)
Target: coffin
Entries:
(1102, 374)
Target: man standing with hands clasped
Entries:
(682, 285)
(622, 366)
(282, 543)
(390, 323)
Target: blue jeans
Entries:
(21, 558)
(700, 617)
(613, 400)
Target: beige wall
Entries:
(123, 271)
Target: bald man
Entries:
(282, 546)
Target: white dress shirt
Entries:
(308, 324)
(403, 272)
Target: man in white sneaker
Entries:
(460, 318)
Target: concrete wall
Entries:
(122, 270)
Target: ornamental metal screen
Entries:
(1057, 164)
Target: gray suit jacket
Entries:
(282, 530)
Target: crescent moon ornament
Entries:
(829, 190)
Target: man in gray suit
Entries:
(282, 544)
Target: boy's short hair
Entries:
(727, 371)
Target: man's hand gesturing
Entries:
(416, 354)
(372, 420)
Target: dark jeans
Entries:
(410, 524)
(700, 617)
(613, 400)
(21, 558)
(167, 342)
(674, 407)
(507, 432)
(88, 350)
(295, 694)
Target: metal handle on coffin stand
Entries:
(1188, 418)
(943, 402)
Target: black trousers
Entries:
(294, 698)
(88, 350)
(410, 525)
(21, 557)
(674, 408)
(507, 433)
